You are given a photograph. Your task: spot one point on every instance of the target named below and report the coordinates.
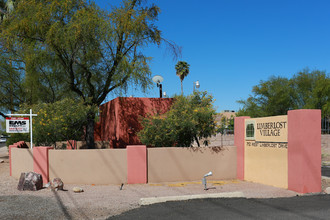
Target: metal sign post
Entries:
(30, 115)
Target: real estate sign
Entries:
(17, 125)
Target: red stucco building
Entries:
(119, 119)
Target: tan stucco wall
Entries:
(22, 161)
(103, 166)
(267, 161)
(267, 166)
(190, 164)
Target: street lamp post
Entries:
(196, 85)
(158, 80)
(160, 90)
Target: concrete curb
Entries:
(153, 200)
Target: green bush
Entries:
(60, 121)
(191, 118)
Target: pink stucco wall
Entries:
(304, 150)
(137, 164)
(119, 120)
(40, 162)
(239, 139)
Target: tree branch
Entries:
(69, 69)
(3, 115)
(124, 80)
(49, 82)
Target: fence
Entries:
(325, 125)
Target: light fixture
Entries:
(158, 79)
(196, 85)
(204, 179)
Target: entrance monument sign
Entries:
(282, 151)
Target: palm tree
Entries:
(182, 70)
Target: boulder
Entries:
(30, 181)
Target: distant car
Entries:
(3, 140)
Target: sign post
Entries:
(20, 125)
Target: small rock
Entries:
(57, 184)
(77, 190)
(2, 161)
(327, 190)
(30, 181)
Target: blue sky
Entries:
(233, 44)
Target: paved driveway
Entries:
(299, 207)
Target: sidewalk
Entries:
(216, 189)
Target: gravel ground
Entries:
(100, 202)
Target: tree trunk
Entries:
(90, 130)
(181, 87)
(196, 139)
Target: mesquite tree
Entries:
(92, 51)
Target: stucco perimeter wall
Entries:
(21, 160)
(102, 166)
(170, 164)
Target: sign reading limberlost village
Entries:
(17, 125)
(267, 132)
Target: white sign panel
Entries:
(17, 125)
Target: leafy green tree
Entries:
(305, 90)
(226, 125)
(26, 77)
(271, 97)
(60, 121)
(11, 87)
(311, 90)
(190, 119)
(92, 51)
(182, 70)
(6, 89)
(6, 7)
